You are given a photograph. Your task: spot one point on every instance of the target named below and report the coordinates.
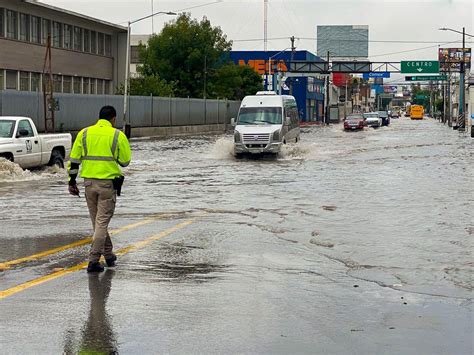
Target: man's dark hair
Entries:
(107, 113)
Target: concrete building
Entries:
(135, 41)
(88, 55)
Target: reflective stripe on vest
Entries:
(100, 158)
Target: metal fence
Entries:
(76, 111)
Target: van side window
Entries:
(25, 125)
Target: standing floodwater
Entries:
(346, 242)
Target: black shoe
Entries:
(111, 261)
(95, 267)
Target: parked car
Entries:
(21, 144)
(395, 114)
(354, 121)
(372, 119)
(385, 118)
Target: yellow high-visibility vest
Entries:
(100, 149)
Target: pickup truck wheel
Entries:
(8, 157)
(56, 159)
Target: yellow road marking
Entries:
(8, 264)
(123, 251)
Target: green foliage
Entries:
(149, 85)
(439, 105)
(234, 82)
(182, 52)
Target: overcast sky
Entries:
(388, 20)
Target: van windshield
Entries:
(6, 129)
(260, 115)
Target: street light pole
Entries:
(126, 125)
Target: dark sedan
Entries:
(385, 118)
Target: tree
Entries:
(234, 82)
(149, 85)
(182, 51)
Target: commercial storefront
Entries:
(307, 90)
(88, 55)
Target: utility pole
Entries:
(326, 116)
(265, 24)
(293, 48)
(462, 85)
(48, 101)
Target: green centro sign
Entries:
(421, 97)
(420, 66)
(426, 78)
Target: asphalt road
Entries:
(349, 242)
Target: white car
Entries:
(265, 122)
(372, 119)
(21, 144)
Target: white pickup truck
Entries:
(21, 144)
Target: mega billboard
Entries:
(451, 58)
(343, 41)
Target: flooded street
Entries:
(349, 242)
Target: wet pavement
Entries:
(349, 242)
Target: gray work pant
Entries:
(101, 198)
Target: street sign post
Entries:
(376, 75)
(426, 78)
(419, 67)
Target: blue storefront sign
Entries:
(376, 75)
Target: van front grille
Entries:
(256, 138)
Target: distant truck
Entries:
(21, 144)
(417, 112)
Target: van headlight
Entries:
(276, 136)
(237, 138)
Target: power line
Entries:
(344, 40)
(410, 50)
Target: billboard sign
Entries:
(451, 58)
(343, 41)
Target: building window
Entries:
(12, 24)
(57, 35)
(107, 87)
(93, 86)
(24, 81)
(134, 55)
(24, 27)
(77, 38)
(67, 84)
(87, 41)
(85, 86)
(68, 36)
(2, 22)
(57, 83)
(35, 29)
(100, 43)
(77, 85)
(12, 80)
(108, 45)
(94, 42)
(100, 87)
(45, 30)
(2, 80)
(35, 82)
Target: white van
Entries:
(265, 122)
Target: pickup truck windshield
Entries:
(6, 128)
(260, 115)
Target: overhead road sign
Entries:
(309, 67)
(350, 67)
(344, 67)
(426, 78)
(420, 67)
(382, 74)
(421, 97)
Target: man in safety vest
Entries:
(100, 149)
